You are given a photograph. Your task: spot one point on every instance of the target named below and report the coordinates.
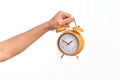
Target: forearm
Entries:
(19, 43)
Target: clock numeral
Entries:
(62, 46)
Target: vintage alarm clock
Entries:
(70, 42)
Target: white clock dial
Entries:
(68, 43)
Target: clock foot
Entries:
(77, 57)
(62, 56)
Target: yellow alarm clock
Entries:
(70, 42)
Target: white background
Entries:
(99, 59)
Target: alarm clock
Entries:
(71, 41)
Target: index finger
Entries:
(65, 15)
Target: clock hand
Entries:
(65, 41)
(69, 42)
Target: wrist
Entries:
(51, 25)
(46, 26)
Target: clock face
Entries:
(68, 43)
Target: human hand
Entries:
(60, 19)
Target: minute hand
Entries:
(65, 42)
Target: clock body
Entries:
(70, 42)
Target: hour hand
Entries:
(69, 42)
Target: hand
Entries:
(65, 41)
(69, 42)
(60, 19)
